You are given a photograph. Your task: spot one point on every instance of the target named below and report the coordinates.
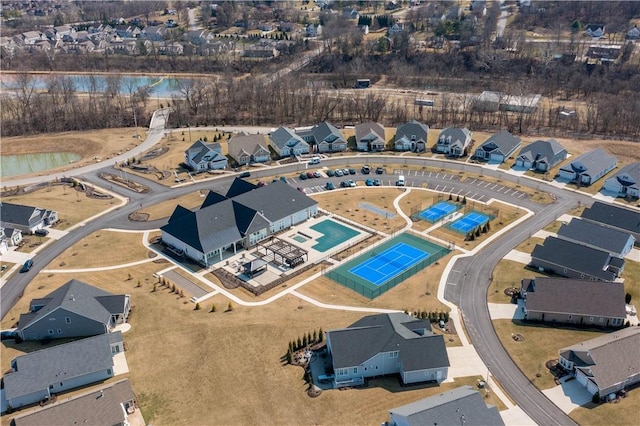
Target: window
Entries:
(67, 320)
(50, 331)
(564, 270)
(581, 275)
(601, 319)
(355, 370)
(393, 354)
(59, 331)
(591, 319)
(570, 317)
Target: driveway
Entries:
(568, 395)
(506, 310)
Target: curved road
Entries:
(468, 292)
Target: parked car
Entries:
(26, 266)
(303, 176)
(351, 183)
(368, 182)
(8, 334)
(310, 175)
(317, 174)
(283, 179)
(261, 183)
(376, 182)
(244, 175)
(339, 172)
(331, 173)
(380, 170)
(41, 232)
(330, 186)
(301, 189)
(352, 171)
(365, 169)
(344, 184)
(345, 172)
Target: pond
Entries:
(22, 164)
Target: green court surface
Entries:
(333, 234)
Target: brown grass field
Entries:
(165, 208)
(506, 274)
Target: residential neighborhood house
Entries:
(626, 182)
(10, 236)
(370, 137)
(498, 147)
(249, 149)
(411, 136)
(26, 218)
(454, 141)
(244, 216)
(541, 155)
(595, 235)
(76, 309)
(594, 30)
(324, 137)
(203, 156)
(614, 217)
(287, 143)
(606, 364)
(571, 301)
(460, 406)
(38, 375)
(384, 344)
(589, 167)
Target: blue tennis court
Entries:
(469, 222)
(437, 211)
(391, 262)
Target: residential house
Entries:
(570, 301)
(168, 48)
(325, 137)
(605, 55)
(626, 182)
(260, 51)
(110, 405)
(595, 235)
(244, 216)
(454, 141)
(350, 13)
(572, 260)
(606, 364)
(287, 143)
(287, 27)
(541, 155)
(411, 136)
(460, 406)
(26, 218)
(633, 33)
(313, 30)
(385, 344)
(29, 38)
(4, 244)
(370, 137)
(154, 32)
(614, 217)
(13, 236)
(249, 149)
(498, 147)
(594, 30)
(396, 29)
(38, 375)
(589, 167)
(203, 156)
(75, 309)
(199, 37)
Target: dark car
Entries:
(365, 170)
(283, 179)
(303, 176)
(352, 171)
(344, 184)
(41, 232)
(376, 182)
(27, 266)
(380, 170)
(330, 185)
(331, 173)
(339, 172)
(244, 175)
(368, 182)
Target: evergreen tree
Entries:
(315, 336)
(464, 200)
(299, 344)
(320, 336)
(458, 198)
(478, 231)
(304, 340)
(213, 308)
(197, 307)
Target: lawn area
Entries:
(72, 206)
(631, 275)
(31, 242)
(101, 249)
(506, 274)
(540, 344)
(624, 412)
(527, 245)
(4, 273)
(165, 208)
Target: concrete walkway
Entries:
(518, 256)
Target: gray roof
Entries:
(276, 200)
(373, 334)
(566, 254)
(282, 137)
(614, 216)
(542, 150)
(591, 163)
(628, 176)
(326, 131)
(503, 143)
(412, 127)
(460, 406)
(595, 235)
(458, 136)
(35, 371)
(247, 145)
(613, 357)
(200, 149)
(19, 214)
(98, 407)
(80, 298)
(366, 130)
(577, 297)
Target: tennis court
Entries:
(333, 234)
(438, 211)
(389, 263)
(469, 222)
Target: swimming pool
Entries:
(333, 234)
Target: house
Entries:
(203, 156)
(370, 137)
(244, 216)
(572, 260)
(350, 13)
(614, 217)
(76, 309)
(164, 47)
(498, 147)
(594, 30)
(633, 33)
(454, 141)
(541, 155)
(26, 218)
(589, 167)
(597, 54)
(595, 235)
(570, 301)
(37, 375)
(460, 406)
(384, 344)
(154, 32)
(110, 405)
(260, 51)
(13, 236)
(313, 30)
(325, 136)
(606, 364)
(286, 143)
(626, 182)
(396, 29)
(411, 136)
(249, 149)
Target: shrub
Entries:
(230, 307)
(213, 308)
(596, 398)
(627, 298)
(197, 307)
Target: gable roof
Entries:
(541, 150)
(456, 134)
(503, 143)
(246, 144)
(412, 127)
(628, 176)
(19, 214)
(101, 406)
(239, 187)
(591, 163)
(463, 405)
(568, 296)
(614, 216)
(200, 149)
(276, 200)
(283, 135)
(326, 130)
(35, 371)
(79, 298)
(594, 235)
(373, 334)
(364, 130)
(566, 254)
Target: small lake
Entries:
(22, 164)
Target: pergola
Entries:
(282, 252)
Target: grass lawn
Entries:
(31, 242)
(165, 208)
(624, 412)
(506, 274)
(527, 245)
(540, 344)
(631, 275)
(101, 249)
(72, 206)
(4, 273)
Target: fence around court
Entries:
(342, 276)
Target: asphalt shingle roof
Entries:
(594, 235)
(366, 129)
(591, 163)
(18, 214)
(541, 150)
(628, 176)
(412, 127)
(614, 216)
(247, 144)
(503, 143)
(282, 137)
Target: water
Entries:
(161, 87)
(22, 164)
